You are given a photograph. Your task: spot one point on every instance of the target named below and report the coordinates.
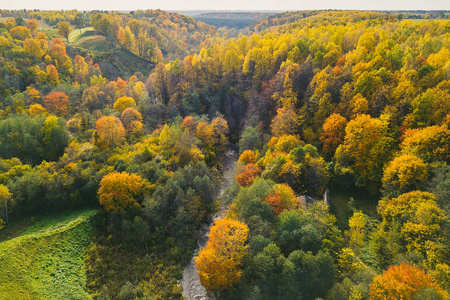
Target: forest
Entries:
(116, 129)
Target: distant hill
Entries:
(237, 20)
(231, 19)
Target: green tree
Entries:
(251, 139)
(64, 30)
(79, 21)
(54, 138)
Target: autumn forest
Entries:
(298, 155)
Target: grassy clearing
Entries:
(95, 42)
(78, 34)
(46, 261)
(340, 199)
(44, 25)
(419, 20)
(90, 40)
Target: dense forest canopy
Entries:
(133, 113)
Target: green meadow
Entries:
(46, 261)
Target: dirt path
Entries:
(192, 287)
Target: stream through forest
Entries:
(192, 287)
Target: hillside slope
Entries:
(113, 60)
(47, 260)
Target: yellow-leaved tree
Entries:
(403, 174)
(365, 148)
(36, 110)
(219, 263)
(430, 143)
(6, 202)
(357, 231)
(121, 191)
(124, 102)
(418, 221)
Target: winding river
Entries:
(192, 287)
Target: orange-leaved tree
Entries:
(248, 175)
(110, 132)
(52, 74)
(333, 133)
(32, 24)
(276, 202)
(132, 121)
(286, 121)
(56, 103)
(213, 138)
(219, 263)
(189, 123)
(281, 197)
(405, 282)
(121, 191)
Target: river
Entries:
(192, 287)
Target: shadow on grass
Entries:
(342, 208)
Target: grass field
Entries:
(92, 41)
(419, 20)
(87, 38)
(340, 204)
(46, 260)
(77, 34)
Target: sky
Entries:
(279, 5)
